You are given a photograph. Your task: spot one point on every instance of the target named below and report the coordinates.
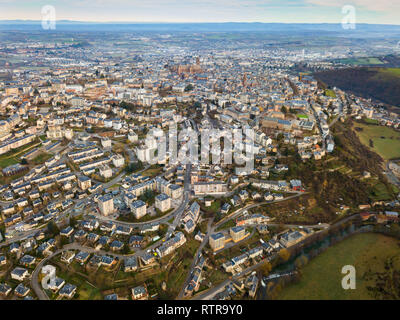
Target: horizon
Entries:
(189, 22)
(205, 11)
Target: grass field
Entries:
(41, 158)
(302, 116)
(393, 72)
(361, 61)
(330, 93)
(322, 276)
(386, 141)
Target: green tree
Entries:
(52, 228)
(189, 87)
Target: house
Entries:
(123, 230)
(392, 215)
(3, 260)
(234, 180)
(19, 274)
(14, 248)
(296, 185)
(172, 244)
(80, 235)
(135, 241)
(103, 241)
(225, 208)
(107, 261)
(68, 291)
(151, 227)
(27, 260)
(244, 195)
(116, 245)
(107, 226)
(290, 238)
(235, 200)
(56, 284)
(268, 196)
(93, 237)
(21, 290)
(112, 296)
(147, 258)
(67, 256)
(140, 293)
(82, 257)
(5, 289)
(130, 264)
(67, 232)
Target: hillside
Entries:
(381, 84)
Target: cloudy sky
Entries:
(301, 11)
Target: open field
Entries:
(386, 141)
(330, 93)
(41, 158)
(322, 276)
(361, 61)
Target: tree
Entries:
(189, 87)
(301, 261)
(72, 222)
(52, 228)
(24, 161)
(284, 254)
(266, 267)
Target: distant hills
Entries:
(67, 25)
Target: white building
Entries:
(163, 202)
(106, 204)
(139, 209)
(118, 160)
(105, 171)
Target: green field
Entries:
(361, 61)
(330, 93)
(322, 276)
(302, 116)
(394, 72)
(386, 141)
(41, 158)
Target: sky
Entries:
(268, 11)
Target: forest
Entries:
(379, 84)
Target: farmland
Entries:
(322, 277)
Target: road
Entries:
(196, 257)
